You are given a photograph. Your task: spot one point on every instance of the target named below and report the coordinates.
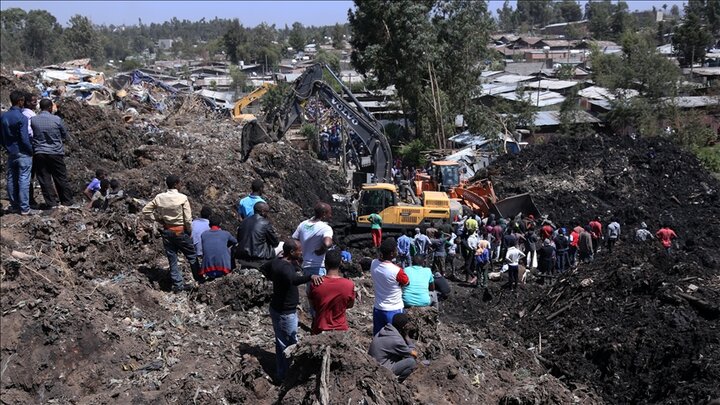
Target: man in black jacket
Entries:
(256, 237)
(283, 272)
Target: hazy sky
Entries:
(250, 13)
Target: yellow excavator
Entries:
(240, 105)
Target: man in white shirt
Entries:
(388, 280)
(315, 236)
(513, 257)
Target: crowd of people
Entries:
(33, 138)
(409, 271)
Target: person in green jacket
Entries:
(376, 228)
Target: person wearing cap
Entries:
(422, 243)
(642, 234)
(393, 348)
(246, 205)
(546, 257)
(172, 210)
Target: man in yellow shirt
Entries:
(172, 210)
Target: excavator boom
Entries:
(309, 84)
(240, 105)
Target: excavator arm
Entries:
(309, 84)
(240, 105)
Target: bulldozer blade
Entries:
(253, 133)
(511, 206)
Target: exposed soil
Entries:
(636, 326)
(87, 317)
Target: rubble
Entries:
(88, 317)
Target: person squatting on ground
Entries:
(49, 133)
(393, 348)
(216, 244)
(199, 226)
(16, 141)
(94, 185)
(388, 280)
(332, 298)
(257, 238)
(421, 285)
(375, 228)
(642, 234)
(283, 272)
(172, 210)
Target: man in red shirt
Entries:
(666, 235)
(331, 298)
(596, 228)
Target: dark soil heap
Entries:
(635, 325)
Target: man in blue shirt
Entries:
(16, 141)
(246, 205)
(403, 245)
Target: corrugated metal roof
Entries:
(695, 101)
(546, 98)
(552, 84)
(511, 79)
(491, 89)
(552, 118)
(602, 93)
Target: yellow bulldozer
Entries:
(477, 196)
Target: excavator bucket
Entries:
(511, 206)
(253, 133)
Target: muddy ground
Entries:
(87, 317)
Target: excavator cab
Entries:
(376, 199)
(444, 176)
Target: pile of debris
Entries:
(633, 325)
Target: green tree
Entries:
(40, 35)
(621, 20)
(598, 13)
(338, 36)
(536, 13)
(394, 40)
(506, 18)
(239, 80)
(233, 39)
(329, 58)
(297, 39)
(273, 100)
(568, 10)
(639, 67)
(82, 40)
(12, 25)
(691, 39)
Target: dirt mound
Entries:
(633, 324)
(240, 291)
